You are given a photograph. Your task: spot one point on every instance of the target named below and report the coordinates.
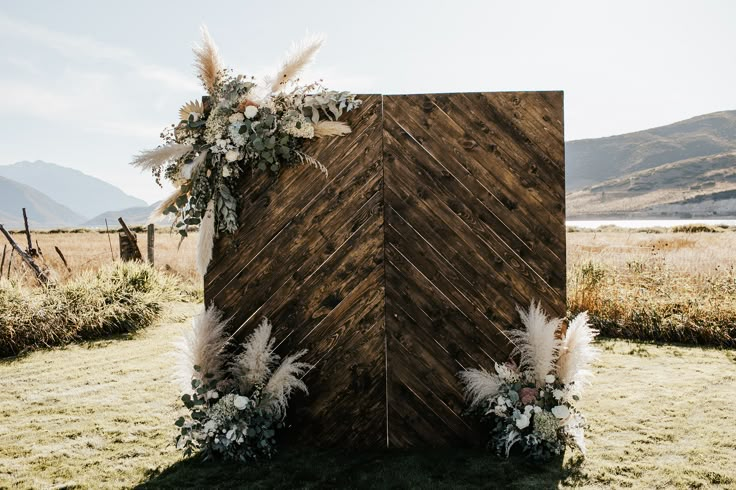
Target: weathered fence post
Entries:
(63, 259)
(30, 249)
(150, 235)
(128, 244)
(41, 275)
(2, 262)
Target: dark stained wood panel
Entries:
(474, 225)
(440, 214)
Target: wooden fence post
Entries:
(150, 235)
(128, 244)
(41, 275)
(2, 262)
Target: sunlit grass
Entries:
(100, 415)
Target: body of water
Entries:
(649, 223)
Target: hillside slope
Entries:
(686, 169)
(85, 195)
(43, 212)
(132, 216)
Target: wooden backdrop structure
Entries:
(440, 214)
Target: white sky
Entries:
(88, 84)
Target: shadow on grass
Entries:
(391, 469)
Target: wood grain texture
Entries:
(440, 214)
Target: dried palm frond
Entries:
(576, 352)
(153, 159)
(207, 62)
(284, 381)
(191, 106)
(299, 56)
(324, 129)
(255, 363)
(536, 342)
(206, 240)
(158, 213)
(203, 346)
(480, 385)
(304, 158)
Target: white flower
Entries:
(222, 143)
(212, 394)
(549, 379)
(231, 156)
(186, 171)
(226, 171)
(558, 394)
(528, 409)
(523, 421)
(194, 116)
(561, 411)
(236, 117)
(501, 400)
(499, 410)
(240, 402)
(537, 409)
(251, 111)
(210, 426)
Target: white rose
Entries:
(561, 412)
(240, 402)
(210, 426)
(251, 111)
(537, 409)
(236, 117)
(226, 171)
(523, 421)
(231, 155)
(222, 143)
(186, 171)
(558, 394)
(549, 379)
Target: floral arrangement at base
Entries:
(240, 126)
(532, 404)
(235, 408)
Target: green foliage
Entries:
(120, 298)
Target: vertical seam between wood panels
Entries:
(383, 250)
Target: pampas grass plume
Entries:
(203, 346)
(324, 129)
(207, 61)
(284, 381)
(153, 159)
(255, 363)
(480, 385)
(299, 56)
(206, 240)
(577, 352)
(537, 342)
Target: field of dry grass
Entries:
(100, 415)
(656, 284)
(88, 250)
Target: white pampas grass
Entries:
(207, 62)
(299, 56)
(284, 381)
(206, 239)
(255, 363)
(158, 213)
(153, 159)
(576, 352)
(536, 342)
(324, 129)
(480, 385)
(203, 346)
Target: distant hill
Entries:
(85, 195)
(686, 169)
(132, 216)
(43, 212)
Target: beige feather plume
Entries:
(202, 346)
(323, 129)
(536, 342)
(299, 57)
(158, 213)
(577, 352)
(153, 159)
(304, 158)
(207, 62)
(256, 362)
(284, 381)
(206, 239)
(480, 385)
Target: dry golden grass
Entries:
(662, 286)
(88, 250)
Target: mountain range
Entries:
(682, 170)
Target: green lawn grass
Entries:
(100, 415)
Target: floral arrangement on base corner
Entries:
(532, 404)
(235, 408)
(241, 126)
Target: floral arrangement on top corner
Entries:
(532, 403)
(240, 126)
(235, 408)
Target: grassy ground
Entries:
(656, 284)
(99, 415)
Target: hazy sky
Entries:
(88, 84)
